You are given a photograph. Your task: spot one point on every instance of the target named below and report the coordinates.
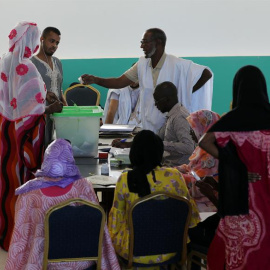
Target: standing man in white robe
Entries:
(194, 82)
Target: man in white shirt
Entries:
(192, 81)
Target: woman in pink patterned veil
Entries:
(22, 95)
(58, 180)
(241, 142)
(22, 123)
(200, 162)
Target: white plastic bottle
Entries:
(105, 169)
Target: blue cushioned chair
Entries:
(158, 224)
(74, 232)
(82, 95)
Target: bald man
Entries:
(175, 133)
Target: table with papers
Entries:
(90, 168)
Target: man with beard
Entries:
(193, 82)
(51, 71)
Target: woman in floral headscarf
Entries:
(22, 95)
(58, 180)
(202, 163)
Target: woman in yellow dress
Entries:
(147, 176)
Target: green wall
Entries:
(224, 69)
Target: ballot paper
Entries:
(121, 154)
(117, 128)
(102, 180)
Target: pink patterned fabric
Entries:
(202, 163)
(27, 243)
(242, 242)
(200, 121)
(22, 91)
(22, 122)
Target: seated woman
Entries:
(147, 176)
(58, 180)
(201, 163)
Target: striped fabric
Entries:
(21, 153)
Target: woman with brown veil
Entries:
(241, 142)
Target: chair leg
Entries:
(182, 267)
(179, 266)
(189, 262)
(196, 261)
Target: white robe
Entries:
(184, 74)
(124, 114)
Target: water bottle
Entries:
(105, 169)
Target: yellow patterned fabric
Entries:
(168, 180)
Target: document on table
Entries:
(121, 154)
(102, 180)
(115, 174)
(117, 128)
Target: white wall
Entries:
(113, 28)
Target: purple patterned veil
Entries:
(58, 165)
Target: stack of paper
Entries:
(116, 130)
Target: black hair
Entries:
(158, 34)
(146, 151)
(166, 89)
(145, 154)
(249, 86)
(49, 29)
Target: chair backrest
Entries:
(74, 232)
(159, 225)
(82, 95)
